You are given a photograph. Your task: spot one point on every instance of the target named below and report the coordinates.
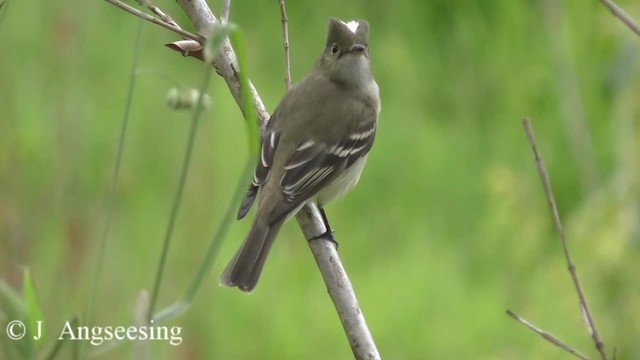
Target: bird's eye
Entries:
(334, 49)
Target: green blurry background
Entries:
(448, 228)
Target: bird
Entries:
(314, 147)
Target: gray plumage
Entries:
(314, 147)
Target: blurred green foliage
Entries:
(448, 228)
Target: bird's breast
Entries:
(342, 184)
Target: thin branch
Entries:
(226, 10)
(546, 335)
(622, 15)
(200, 14)
(338, 285)
(156, 10)
(285, 41)
(155, 20)
(226, 63)
(556, 218)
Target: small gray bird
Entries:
(314, 147)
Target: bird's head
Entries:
(346, 54)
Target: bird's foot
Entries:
(327, 236)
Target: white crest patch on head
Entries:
(352, 25)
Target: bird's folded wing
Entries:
(267, 151)
(315, 164)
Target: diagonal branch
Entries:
(546, 335)
(226, 64)
(156, 10)
(544, 176)
(622, 15)
(226, 9)
(175, 28)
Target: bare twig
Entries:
(200, 14)
(338, 285)
(285, 40)
(546, 335)
(622, 15)
(226, 10)
(556, 218)
(226, 64)
(156, 10)
(154, 20)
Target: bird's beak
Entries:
(358, 49)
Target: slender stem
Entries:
(154, 20)
(178, 197)
(214, 246)
(285, 40)
(546, 335)
(161, 14)
(95, 280)
(544, 176)
(338, 285)
(226, 9)
(622, 15)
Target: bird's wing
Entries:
(267, 151)
(314, 164)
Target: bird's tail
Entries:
(246, 266)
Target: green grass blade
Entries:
(34, 311)
(180, 190)
(217, 240)
(183, 305)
